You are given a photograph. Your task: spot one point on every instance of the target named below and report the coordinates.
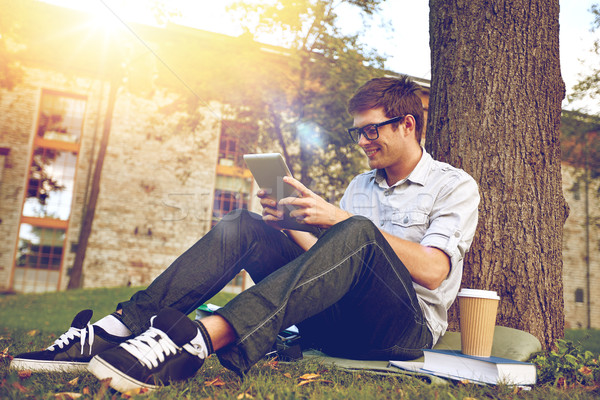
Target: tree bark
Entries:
(76, 276)
(494, 111)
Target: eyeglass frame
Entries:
(361, 130)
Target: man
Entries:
(375, 285)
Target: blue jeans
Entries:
(350, 295)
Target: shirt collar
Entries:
(418, 175)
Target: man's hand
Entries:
(311, 209)
(270, 213)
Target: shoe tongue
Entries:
(81, 320)
(177, 325)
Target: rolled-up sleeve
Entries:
(453, 218)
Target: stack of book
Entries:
(456, 365)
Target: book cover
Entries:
(492, 370)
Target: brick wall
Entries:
(156, 188)
(156, 194)
(574, 251)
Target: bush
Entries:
(567, 365)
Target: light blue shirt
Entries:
(436, 206)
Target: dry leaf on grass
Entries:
(24, 374)
(130, 393)
(287, 375)
(585, 370)
(104, 384)
(309, 376)
(244, 396)
(73, 382)
(86, 391)
(215, 382)
(5, 354)
(67, 395)
(32, 332)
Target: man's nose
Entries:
(363, 141)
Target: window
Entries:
(579, 295)
(237, 139)
(49, 193)
(61, 117)
(50, 185)
(226, 201)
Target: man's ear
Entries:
(410, 124)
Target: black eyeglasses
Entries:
(370, 131)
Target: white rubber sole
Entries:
(119, 380)
(47, 366)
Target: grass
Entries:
(587, 339)
(29, 322)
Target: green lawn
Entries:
(29, 322)
(588, 339)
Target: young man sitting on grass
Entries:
(376, 284)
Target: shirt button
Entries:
(406, 220)
(457, 234)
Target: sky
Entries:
(409, 20)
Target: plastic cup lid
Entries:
(484, 294)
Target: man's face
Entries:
(385, 151)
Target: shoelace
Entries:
(151, 347)
(71, 334)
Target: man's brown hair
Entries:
(397, 96)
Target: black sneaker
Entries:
(155, 358)
(72, 351)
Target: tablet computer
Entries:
(268, 170)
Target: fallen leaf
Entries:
(273, 364)
(287, 375)
(32, 332)
(309, 376)
(5, 354)
(104, 384)
(130, 393)
(86, 390)
(24, 374)
(215, 382)
(67, 395)
(585, 370)
(244, 396)
(73, 382)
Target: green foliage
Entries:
(324, 68)
(580, 141)
(589, 86)
(568, 366)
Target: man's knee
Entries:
(357, 225)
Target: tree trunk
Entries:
(76, 277)
(494, 111)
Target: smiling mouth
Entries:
(371, 152)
